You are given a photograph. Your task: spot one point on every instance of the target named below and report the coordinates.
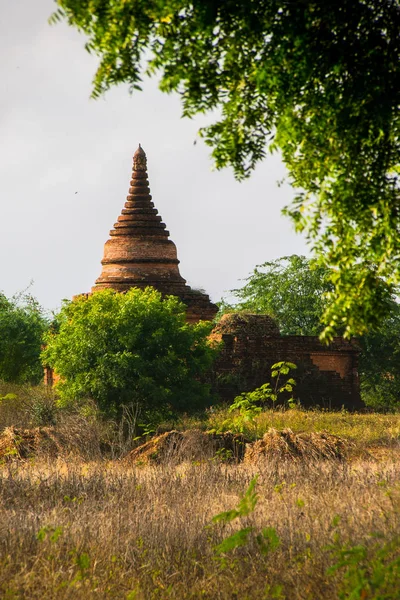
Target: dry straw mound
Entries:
(24, 443)
(192, 445)
(247, 324)
(286, 445)
(175, 447)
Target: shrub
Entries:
(27, 406)
(22, 325)
(133, 348)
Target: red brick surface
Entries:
(139, 252)
(325, 376)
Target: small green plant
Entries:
(267, 539)
(248, 411)
(82, 561)
(250, 404)
(223, 455)
(265, 393)
(49, 532)
(43, 412)
(368, 572)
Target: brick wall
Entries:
(325, 376)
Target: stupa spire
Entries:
(139, 252)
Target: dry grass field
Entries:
(73, 529)
(80, 520)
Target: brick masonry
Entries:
(326, 376)
(139, 252)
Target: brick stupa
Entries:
(139, 252)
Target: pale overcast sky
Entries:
(65, 164)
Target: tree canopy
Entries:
(22, 326)
(133, 348)
(291, 289)
(317, 81)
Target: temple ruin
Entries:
(139, 252)
(326, 376)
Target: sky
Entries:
(65, 165)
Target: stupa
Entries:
(139, 252)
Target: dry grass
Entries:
(366, 430)
(74, 436)
(75, 526)
(174, 447)
(31, 423)
(18, 402)
(285, 445)
(104, 530)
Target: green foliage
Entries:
(22, 326)
(42, 410)
(316, 81)
(291, 289)
(247, 409)
(250, 404)
(133, 348)
(236, 540)
(367, 573)
(49, 532)
(380, 365)
(82, 561)
(267, 539)
(246, 505)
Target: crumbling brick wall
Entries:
(326, 376)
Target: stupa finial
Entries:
(140, 160)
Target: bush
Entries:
(133, 348)
(22, 325)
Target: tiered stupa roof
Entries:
(139, 252)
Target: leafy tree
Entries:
(292, 289)
(22, 326)
(130, 348)
(380, 363)
(318, 81)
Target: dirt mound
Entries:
(179, 446)
(286, 445)
(24, 443)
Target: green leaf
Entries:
(268, 540)
(246, 505)
(236, 540)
